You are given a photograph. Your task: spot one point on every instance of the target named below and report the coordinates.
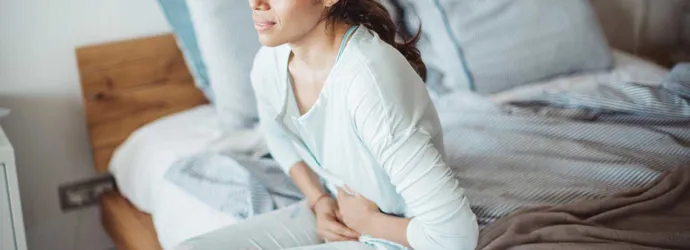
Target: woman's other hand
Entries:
(328, 224)
(356, 210)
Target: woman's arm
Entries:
(364, 216)
(328, 224)
(307, 181)
(283, 151)
(442, 218)
(280, 146)
(384, 226)
(395, 119)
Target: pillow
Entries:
(228, 43)
(140, 162)
(219, 42)
(490, 46)
(177, 14)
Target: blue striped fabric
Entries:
(561, 148)
(235, 184)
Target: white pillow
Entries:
(228, 43)
(140, 163)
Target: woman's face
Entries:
(282, 21)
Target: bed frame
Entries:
(126, 85)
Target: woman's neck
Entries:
(319, 48)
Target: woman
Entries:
(344, 104)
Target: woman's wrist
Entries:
(308, 182)
(314, 201)
(372, 219)
(384, 226)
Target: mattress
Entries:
(178, 216)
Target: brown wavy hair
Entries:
(374, 16)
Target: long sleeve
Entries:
(280, 146)
(400, 127)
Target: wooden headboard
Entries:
(128, 84)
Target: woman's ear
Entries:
(329, 3)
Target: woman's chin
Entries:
(268, 41)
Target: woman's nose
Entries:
(258, 4)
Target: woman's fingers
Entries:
(331, 228)
(341, 193)
(339, 216)
(339, 228)
(331, 236)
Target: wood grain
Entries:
(128, 84)
(129, 228)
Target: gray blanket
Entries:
(653, 217)
(563, 148)
(550, 150)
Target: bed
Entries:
(145, 111)
(130, 84)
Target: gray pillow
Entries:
(4, 112)
(490, 46)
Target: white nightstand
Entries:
(12, 235)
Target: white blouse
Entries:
(374, 129)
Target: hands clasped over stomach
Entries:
(343, 219)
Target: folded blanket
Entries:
(237, 184)
(652, 217)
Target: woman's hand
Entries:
(356, 210)
(328, 226)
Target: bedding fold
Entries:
(556, 149)
(653, 217)
(236, 184)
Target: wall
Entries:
(648, 28)
(39, 81)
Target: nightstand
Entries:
(12, 235)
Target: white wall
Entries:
(39, 81)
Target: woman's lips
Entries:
(263, 25)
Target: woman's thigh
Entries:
(343, 245)
(289, 227)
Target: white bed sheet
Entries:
(180, 216)
(140, 163)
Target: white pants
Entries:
(292, 227)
